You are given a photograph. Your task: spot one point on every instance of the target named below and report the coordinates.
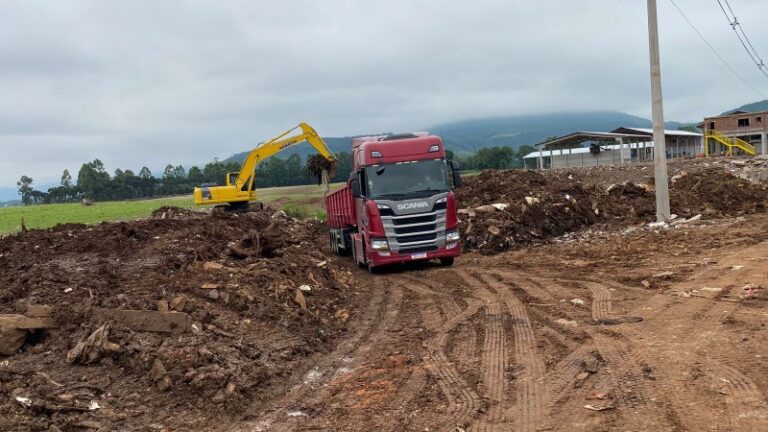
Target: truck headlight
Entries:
(379, 244)
(452, 236)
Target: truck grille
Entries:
(420, 232)
(416, 238)
(415, 229)
(414, 220)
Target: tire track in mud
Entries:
(530, 392)
(746, 404)
(746, 409)
(601, 300)
(463, 400)
(676, 318)
(559, 380)
(493, 356)
(432, 288)
(380, 313)
(625, 374)
(460, 345)
(626, 377)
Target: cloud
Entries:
(147, 83)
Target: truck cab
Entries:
(402, 204)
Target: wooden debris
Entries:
(209, 265)
(11, 337)
(39, 311)
(96, 346)
(300, 300)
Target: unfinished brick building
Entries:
(738, 132)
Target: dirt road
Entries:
(634, 332)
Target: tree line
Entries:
(94, 182)
(501, 157)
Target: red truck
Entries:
(397, 205)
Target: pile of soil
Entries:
(537, 206)
(260, 294)
(711, 192)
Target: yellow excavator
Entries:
(239, 189)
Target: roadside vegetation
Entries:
(93, 181)
(304, 201)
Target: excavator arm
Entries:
(276, 145)
(239, 188)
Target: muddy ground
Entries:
(612, 327)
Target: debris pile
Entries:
(711, 192)
(502, 210)
(170, 321)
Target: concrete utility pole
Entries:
(659, 138)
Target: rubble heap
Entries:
(178, 320)
(501, 210)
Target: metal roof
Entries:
(627, 135)
(578, 150)
(575, 139)
(648, 131)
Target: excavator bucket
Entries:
(317, 164)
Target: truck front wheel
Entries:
(446, 262)
(361, 265)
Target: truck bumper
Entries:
(377, 259)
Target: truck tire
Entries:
(446, 262)
(334, 243)
(361, 265)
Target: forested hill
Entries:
(336, 144)
(468, 136)
(751, 107)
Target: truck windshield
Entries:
(407, 178)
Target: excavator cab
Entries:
(232, 178)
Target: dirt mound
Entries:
(503, 210)
(717, 192)
(712, 192)
(533, 207)
(259, 294)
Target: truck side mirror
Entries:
(355, 184)
(456, 173)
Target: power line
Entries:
(743, 38)
(717, 54)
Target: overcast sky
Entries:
(150, 82)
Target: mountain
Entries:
(11, 203)
(467, 136)
(8, 194)
(335, 144)
(751, 107)
(470, 135)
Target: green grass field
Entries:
(298, 201)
